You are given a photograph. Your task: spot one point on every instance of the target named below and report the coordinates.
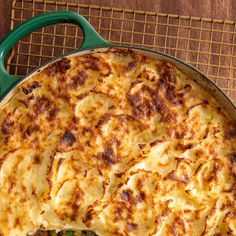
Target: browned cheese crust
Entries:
(118, 143)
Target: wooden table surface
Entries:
(219, 9)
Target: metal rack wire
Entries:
(207, 44)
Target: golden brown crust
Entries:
(118, 143)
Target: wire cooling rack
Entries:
(208, 44)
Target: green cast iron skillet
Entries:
(92, 41)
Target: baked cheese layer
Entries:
(118, 143)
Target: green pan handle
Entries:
(91, 39)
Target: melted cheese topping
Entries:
(118, 143)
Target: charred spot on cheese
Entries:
(145, 75)
(76, 202)
(140, 197)
(172, 175)
(184, 147)
(147, 101)
(178, 226)
(78, 80)
(179, 134)
(64, 65)
(132, 227)
(108, 156)
(233, 158)
(97, 64)
(127, 195)
(141, 145)
(53, 113)
(231, 131)
(52, 70)
(67, 140)
(31, 129)
(37, 159)
(60, 66)
(42, 104)
(171, 95)
(103, 120)
(141, 107)
(160, 106)
(122, 52)
(131, 65)
(118, 143)
(27, 90)
(89, 215)
(7, 124)
(167, 72)
(26, 101)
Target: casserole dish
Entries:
(105, 157)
